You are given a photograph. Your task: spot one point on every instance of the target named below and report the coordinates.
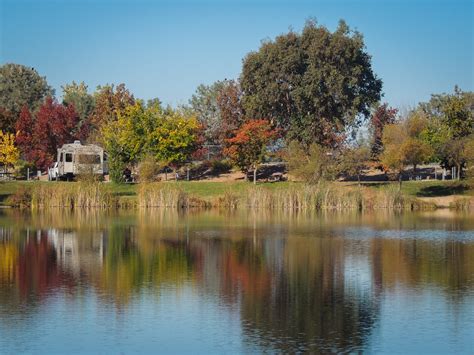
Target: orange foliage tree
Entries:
(248, 146)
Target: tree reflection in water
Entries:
(300, 284)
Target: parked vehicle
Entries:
(76, 158)
(53, 172)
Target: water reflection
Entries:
(298, 283)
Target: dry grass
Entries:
(295, 197)
(165, 195)
(79, 195)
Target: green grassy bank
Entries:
(288, 195)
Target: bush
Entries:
(21, 198)
(220, 166)
(21, 169)
(148, 169)
(310, 165)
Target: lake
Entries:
(226, 282)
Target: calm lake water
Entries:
(251, 282)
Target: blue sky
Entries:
(165, 49)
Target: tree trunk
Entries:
(255, 174)
(459, 171)
(400, 181)
(358, 178)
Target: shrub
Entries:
(310, 165)
(220, 166)
(21, 198)
(148, 169)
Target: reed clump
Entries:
(463, 204)
(21, 198)
(305, 198)
(329, 197)
(228, 200)
(78, 195)
(165, 195)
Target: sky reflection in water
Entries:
(236, 282)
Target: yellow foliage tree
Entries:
(9, 154)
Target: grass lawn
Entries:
(430, 188)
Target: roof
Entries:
(78, 147)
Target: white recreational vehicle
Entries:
(76, 158)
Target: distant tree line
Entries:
(303, 96)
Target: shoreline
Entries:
(281, 195)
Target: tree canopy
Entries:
(52, 126)
(169, 136)
(381, 116)
(314, 85)
(204, 103)
(9, 154)
(248, 147)
(403, 143)
(77, 95)
(19, 86)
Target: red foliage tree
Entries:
(249, 145)
(382, 116)
(54, 125)
(24, 133)
(232, 113)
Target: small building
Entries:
(76, 158)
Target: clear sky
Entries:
(165, 49)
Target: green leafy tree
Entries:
(354, 160)
(77, 95)
(167, 135)
(20, 86)
(451, 120)
(312, 164)
(174, 138)
(314, 85)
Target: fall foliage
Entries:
(248, 146)
(40, 135)
(9, 154)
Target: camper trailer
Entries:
(76, 158)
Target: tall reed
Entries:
(463, 204)
(166, 195)
(304, 197)
(78, 195)
(329, 197)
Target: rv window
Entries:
(89, 159)
(68, 157)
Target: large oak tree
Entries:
(315, 84)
